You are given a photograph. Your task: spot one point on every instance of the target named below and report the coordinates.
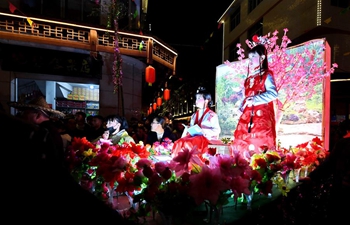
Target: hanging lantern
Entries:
(150, 75)
(150, 110)
(154, 106)
(159, 100)
(166, 93)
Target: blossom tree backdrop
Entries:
(302, 76)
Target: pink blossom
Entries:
(224, 162)
(143, 162)
(207, 185)
(184, 160)
(160, 166)
(119, 164)
(240, 185)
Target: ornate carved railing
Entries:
(50, 32)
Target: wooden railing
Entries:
(50, 32)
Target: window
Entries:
(252, 4)
(235, 18)
(52, 9)
(256, 29)
(233, 52)
(340, 3)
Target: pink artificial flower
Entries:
(155, 181)
(160, 166)
(184, 160)
(240, 186)
(143, 162)
(119, 164)
(224, 162)
(207, 185)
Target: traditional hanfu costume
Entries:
(257, 125)
(209, 123)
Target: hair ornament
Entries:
(258, 40)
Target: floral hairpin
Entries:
(257, 40)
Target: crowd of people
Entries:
(39, 188)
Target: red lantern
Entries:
(159, 101)
(150, 110)
(150, 75)
(166, 94)
(154, 106)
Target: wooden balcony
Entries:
(56, 33)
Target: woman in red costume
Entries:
(208, 122)
(257, 126)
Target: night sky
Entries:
(191, 28)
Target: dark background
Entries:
(191, 28)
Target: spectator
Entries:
(159, 131)
(117, 126)
(140, 134)
(98, 127)
(38, 113)
(83, 128)
(207, 121)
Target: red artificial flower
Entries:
(266, 187)
(291, 162)
(185, 177)
(140, 150)
(212, 151)
(147, 171)
(303, 145)
(255, 175)
(317, 141)
(255, 38)
(166, 174)
(276, 167)
(260, 162)
(272, 156)
(81, 144)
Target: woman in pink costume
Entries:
(208, 122)
(257, 126)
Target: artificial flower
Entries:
(207, 185)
